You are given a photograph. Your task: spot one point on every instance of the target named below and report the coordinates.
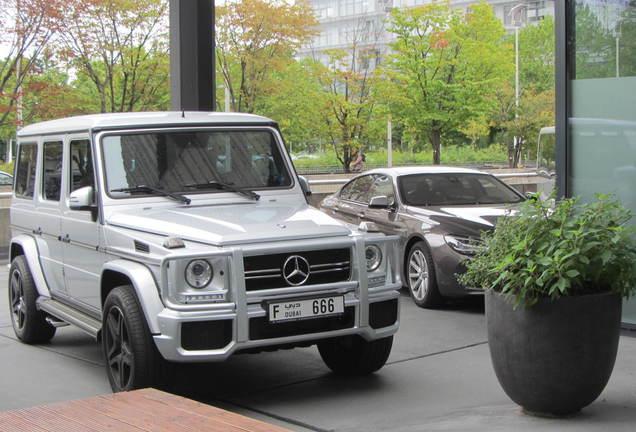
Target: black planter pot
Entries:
(554, 357)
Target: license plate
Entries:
(305, 309)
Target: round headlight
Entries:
(198, 273)
(374, 257)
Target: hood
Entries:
(229, 224)
(465, 220)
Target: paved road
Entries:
(438, 377)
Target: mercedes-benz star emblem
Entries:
(296, 270)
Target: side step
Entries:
(67, 314)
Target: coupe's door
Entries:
(353, 199)
(80, 231)
(387, 219)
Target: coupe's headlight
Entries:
(199, 273)
(374, 257)
(464, 245)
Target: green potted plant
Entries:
(554, 277)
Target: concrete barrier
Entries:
(321, 186)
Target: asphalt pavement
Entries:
(438, 377)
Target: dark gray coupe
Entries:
(439, 214)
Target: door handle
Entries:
(362, 214)
(38, 231)
(65, 239)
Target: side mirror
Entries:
(304, 185)
(532, 196)
(82, 199)
(379, 202)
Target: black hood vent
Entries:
(141, 247)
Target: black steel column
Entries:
(192, 81)
(563, 27)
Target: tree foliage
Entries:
(444, 67)
(119, 47)
(255, 38)
(27, 28)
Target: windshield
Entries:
(171, 160)
(454, 189)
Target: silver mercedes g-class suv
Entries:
(187, 237)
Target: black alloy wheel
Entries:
(119, 355)
(29, 323)
(131, 357)
(16, 300)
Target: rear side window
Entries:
(81, 165)
(25, 172)
(52, 172)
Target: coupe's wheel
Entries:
(29, 323)
(420, 277)
(352, 355)
(132, 360)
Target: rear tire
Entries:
(352, 355)
(132, 359)
(420, 277)
(29, 324)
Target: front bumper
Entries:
(448, 264)
(220, 330)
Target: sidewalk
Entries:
(439, 377)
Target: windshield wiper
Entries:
(225, 186)
(144, 188)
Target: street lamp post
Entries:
(516, 23)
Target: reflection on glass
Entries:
(602, 49)
(174, 160)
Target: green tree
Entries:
(536, 55)
(347, 114)
(26, 28)
(445, 66)
(255, 38)
(594, 50)
(293, 97)
(626, 31)
(120, 47)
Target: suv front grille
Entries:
(325, 266)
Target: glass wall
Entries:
(601, 47)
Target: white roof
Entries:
(424, 169)
(137, 119)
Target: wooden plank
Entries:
(9, 422)
(129, 413)
(173, 415)
(147, 410)
(74, 411)
(238, 420)
(50, 422)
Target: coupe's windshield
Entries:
(454, 189)
(172, 160)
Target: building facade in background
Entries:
(363, 23)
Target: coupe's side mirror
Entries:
(82, 199)
(304, 185)
(532, 196)
(379, 202)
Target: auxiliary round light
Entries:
(374, 257)
(198, 273)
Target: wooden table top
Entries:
(140, 410)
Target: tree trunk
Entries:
(436, 142)
(514, 152)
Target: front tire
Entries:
(420, 277)
(352, 355)
(29, 324)
(132, 359)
